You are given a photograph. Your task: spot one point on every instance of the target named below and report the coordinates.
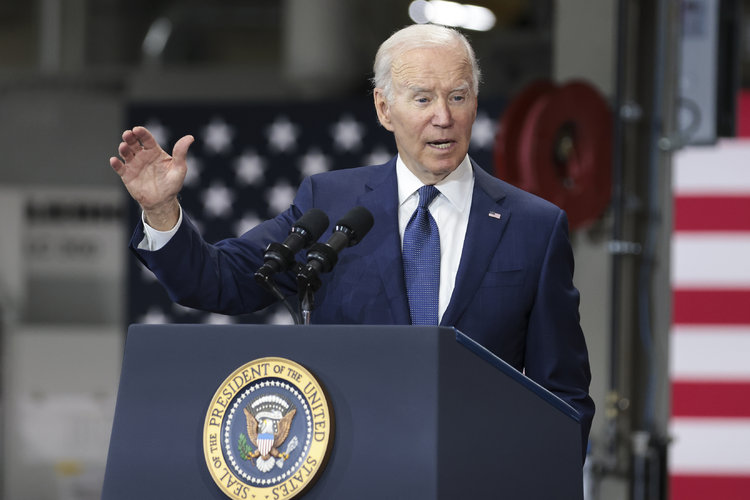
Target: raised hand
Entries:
(152, 177)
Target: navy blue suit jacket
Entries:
(513, 294)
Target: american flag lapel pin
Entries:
(495, 215)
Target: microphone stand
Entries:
(308, 283)
(271, 286)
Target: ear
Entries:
(382, 108)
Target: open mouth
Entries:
(441, 144)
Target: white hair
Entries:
(418, 36)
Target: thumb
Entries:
(179, 152)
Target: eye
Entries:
(422, 100)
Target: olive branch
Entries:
(244, 448)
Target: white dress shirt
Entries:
(153, 239)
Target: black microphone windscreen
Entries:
(314, 221)
(359, 220)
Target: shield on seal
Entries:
(265, 443)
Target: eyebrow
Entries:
(418, 90)
(464, 87)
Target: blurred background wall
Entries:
(70, 69)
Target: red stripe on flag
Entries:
(712, 213)
(711, 399)
(711, 306)
(704, 487)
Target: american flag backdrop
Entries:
(710, 339)
(246, 164)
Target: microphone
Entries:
(280, 256)
(349, 231)
(321, 257)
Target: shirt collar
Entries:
(456, 187)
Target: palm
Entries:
(151, 176)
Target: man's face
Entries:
(432, 111)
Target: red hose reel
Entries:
(556, 141)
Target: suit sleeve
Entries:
(556, 355)
(219, 277)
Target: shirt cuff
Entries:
(153, 239)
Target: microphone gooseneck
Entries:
(349, 231)
(280, 256)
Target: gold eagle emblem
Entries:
(267, 441)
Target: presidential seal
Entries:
(268, 431)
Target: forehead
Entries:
(433, 67)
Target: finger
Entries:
(116, 164)
(145, 138)
(179, 152)
(131, 139)
(126, 151)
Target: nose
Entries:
(442, 114)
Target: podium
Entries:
(420, 413)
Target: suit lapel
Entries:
(381, 198)
(487, 221)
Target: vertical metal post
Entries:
(611, 411)
(50, 36)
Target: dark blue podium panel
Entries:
(420, 412)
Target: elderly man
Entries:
(450, 245)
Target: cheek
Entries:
(408, 129)
(466, 126)
(387, 124)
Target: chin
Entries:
(444, 168)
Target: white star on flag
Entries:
(217, 136)
(314, 162)
(282, 135)
(279, 197)
(377, 156)
(194, 170)
(218, 319)
(483, 132)
(249, 168)
(154, 316)
(217, 200)
(280, 317)
(347, 134)
(159, 131)
(246, 223)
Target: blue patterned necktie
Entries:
(421, 255)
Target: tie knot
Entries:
(426, 195)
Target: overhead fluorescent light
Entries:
(157, 37)
(472, 17)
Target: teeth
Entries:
(441, 145)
